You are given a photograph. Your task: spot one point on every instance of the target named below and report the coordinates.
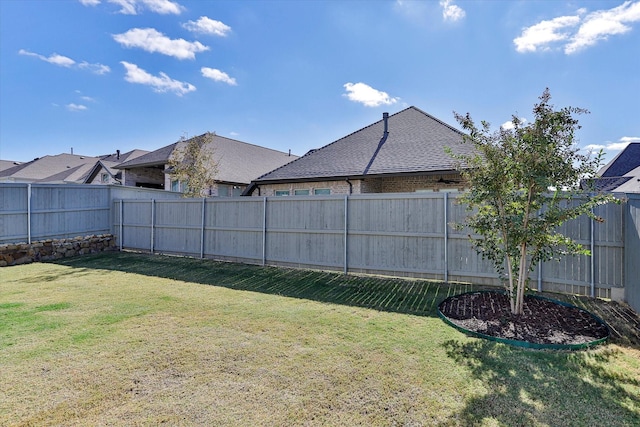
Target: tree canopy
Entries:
(524, 183)
(192, 163)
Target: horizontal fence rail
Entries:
(407, 235)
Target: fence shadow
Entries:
(416, 297)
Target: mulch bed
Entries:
(543, 322)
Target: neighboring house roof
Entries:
(415, 143)
(58, 168)
(626, 160)
(622, 174)
(63, 168)
(236, 161)
(109, 162)
(6, 164)
(118, 158)
(158, 157)
(102, 165)
(75, 175)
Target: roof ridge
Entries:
(438, 120)
(252, 144)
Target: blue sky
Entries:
(101, 75)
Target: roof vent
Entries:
(385, 118)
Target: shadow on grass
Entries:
(385, 294)
(523, 387)
(546, 388)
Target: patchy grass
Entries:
(126, 339)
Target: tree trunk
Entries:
(522, 279)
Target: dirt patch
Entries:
(543, 321)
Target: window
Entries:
(282, 192)
(237, 191)
(300, 192)
(175, 185)
(320, 191)
(104, 177)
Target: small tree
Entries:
(524, 183)
(191, 162)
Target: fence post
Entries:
(446, 238)
(204, 202)
(592, 257)
(346, 232)
(264, 230)
(121, 222)
(153, 222)
(540, 276)
(29, 213)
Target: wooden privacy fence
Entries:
(408, 235)
(632, 251)
(30, 212)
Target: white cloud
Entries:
(160, 84)
(217, 75)
(450, 11)
(368, 96)
(76, 107)
(206, 25)
(576, 32)
(84, 97)
(603, 23)
(55, 59)
(628, 139)
(152, 40)
(613, 146)
(132, 7)
(99, 69)
(508, 125)
(542, 34)
(64, 61)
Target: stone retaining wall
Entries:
(46, 250)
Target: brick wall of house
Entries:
(398, 184)
(134, 176)
(336, 187)
(411, 184)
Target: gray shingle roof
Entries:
(627, 160)
(7, 164)
(237, 161)
(622, 174)
(415, 144)
(41, 169)
(124, 157)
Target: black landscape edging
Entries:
(527, 344)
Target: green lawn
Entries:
(128, 339)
